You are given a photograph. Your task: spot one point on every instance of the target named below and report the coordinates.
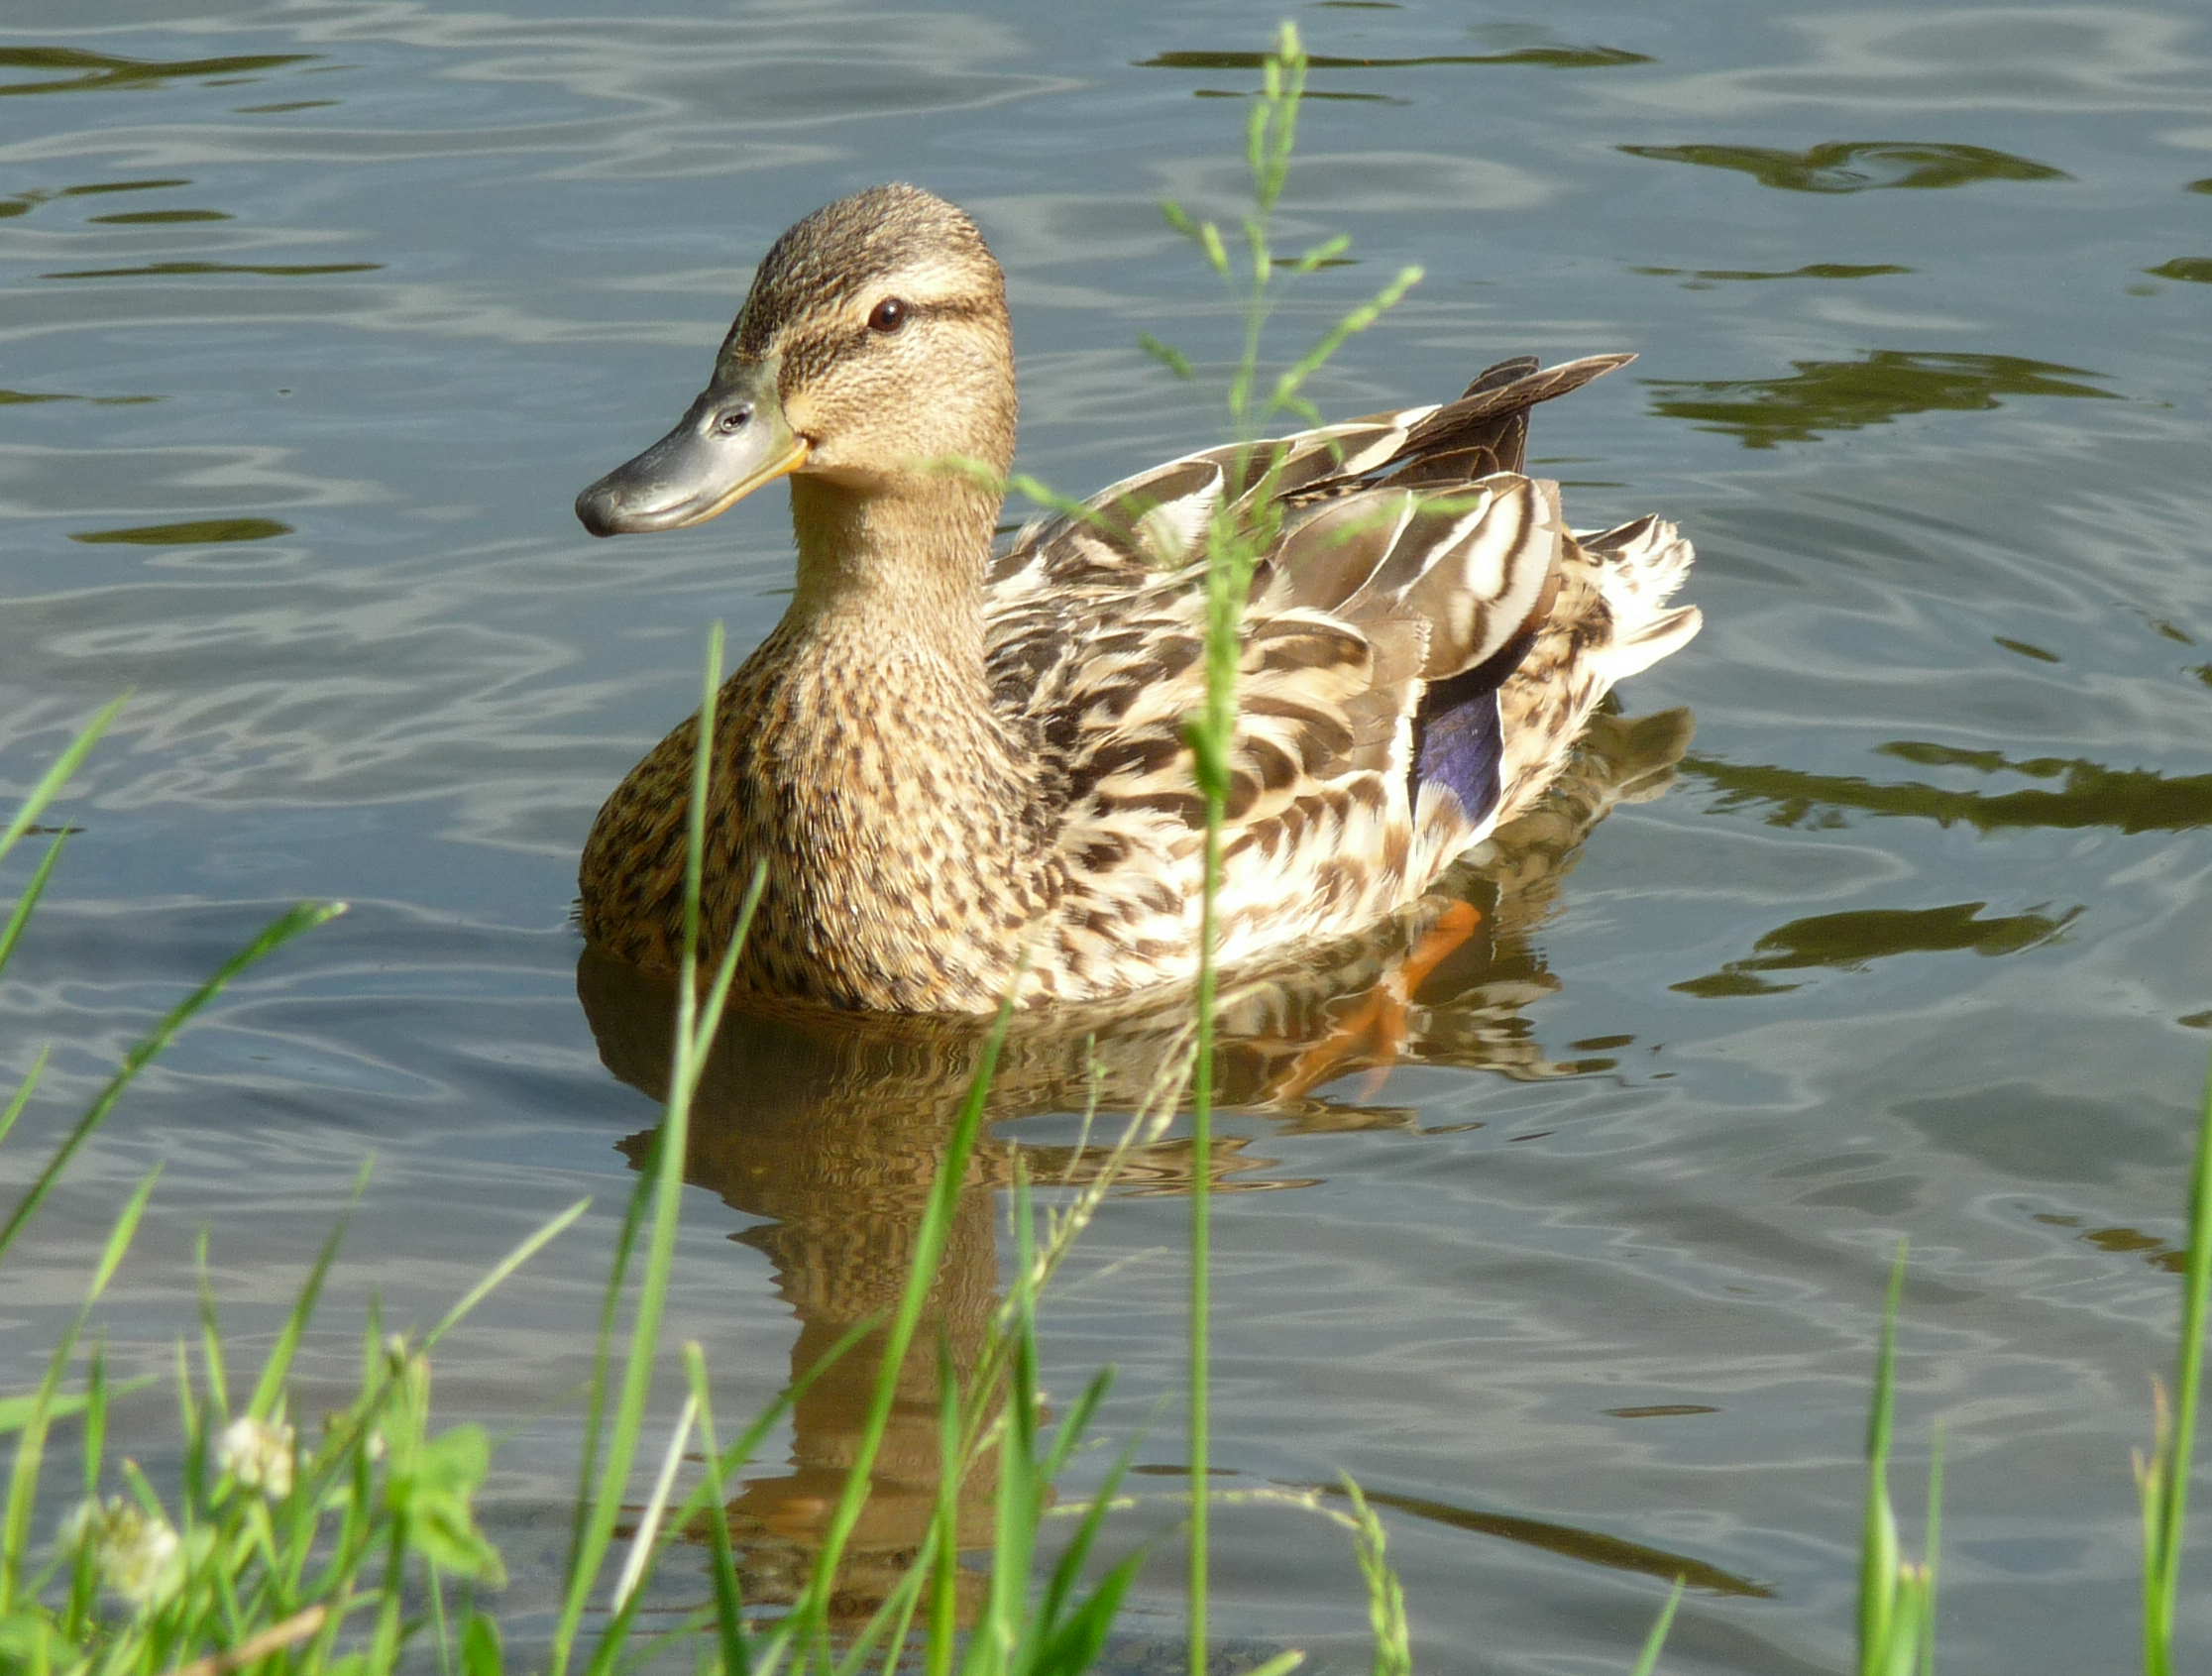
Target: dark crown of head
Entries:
(850, 247)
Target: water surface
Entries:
(313, 316)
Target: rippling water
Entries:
(315, 315)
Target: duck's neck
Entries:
(872, 770)
(905, 564)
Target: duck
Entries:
(964, 776)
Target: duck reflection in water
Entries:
(833, 1126)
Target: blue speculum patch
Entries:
(1462, 736)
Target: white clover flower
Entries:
(259, 1454)
(139, 1554)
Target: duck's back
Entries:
(1421, 641)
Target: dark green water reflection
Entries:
(1821, 398)
(1851, 942)
(191, 533)
(1858, 167)
(2125, 800)
(77, 71)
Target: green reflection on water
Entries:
(1855, 940)
(1593, 1547)
(2123, 800)
(95, 188)
(159, 217)
(1820, 396)
(2197, 269)
(22, 203)
(1550, 58)
(198, 532)
(100, 70)
(2125, 1242)
(26, 397)
(1859, 165)
(156, 270)
(1811, 271)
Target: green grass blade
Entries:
(213, 1363)
(1908, 1624)
(729, 1608)
(1078, 1422)
(1167, 355)
(627, 1237)
(189, 1426)
(927, 1572)
(1020, 1492)
(1935, 1551)
(500, 1272)
(893, 1618)
(15, 1413)
(1075, 1644)
(12, 933)
(22, 1478)
(1359, 319)
(274, 936)
(1648, 1660)
(649, 1519)
(811, 1615)
(22, 1096)
(611, 1442)
(941, 1628)
(1878, 1548)
(269, 1388)
(666, 1176)
(1270, 135)
(1393, 1646)
(2164, 1477)
(98, 1393)
(63, 770)
(1059, 1588)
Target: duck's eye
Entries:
(736, 419)
(888, 315)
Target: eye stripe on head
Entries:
(907, 312)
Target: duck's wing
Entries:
(1409, 569)
(1158, 519)
(1063, 580)
(1328, 825)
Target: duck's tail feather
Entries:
(1640, 564)
(1486, 429)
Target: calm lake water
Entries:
(316, 313)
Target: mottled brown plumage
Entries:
(967, 776)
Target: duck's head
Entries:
(873, 353)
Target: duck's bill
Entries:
(733, 440)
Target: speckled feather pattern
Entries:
(1002, 800)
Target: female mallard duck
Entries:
(967, 775)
